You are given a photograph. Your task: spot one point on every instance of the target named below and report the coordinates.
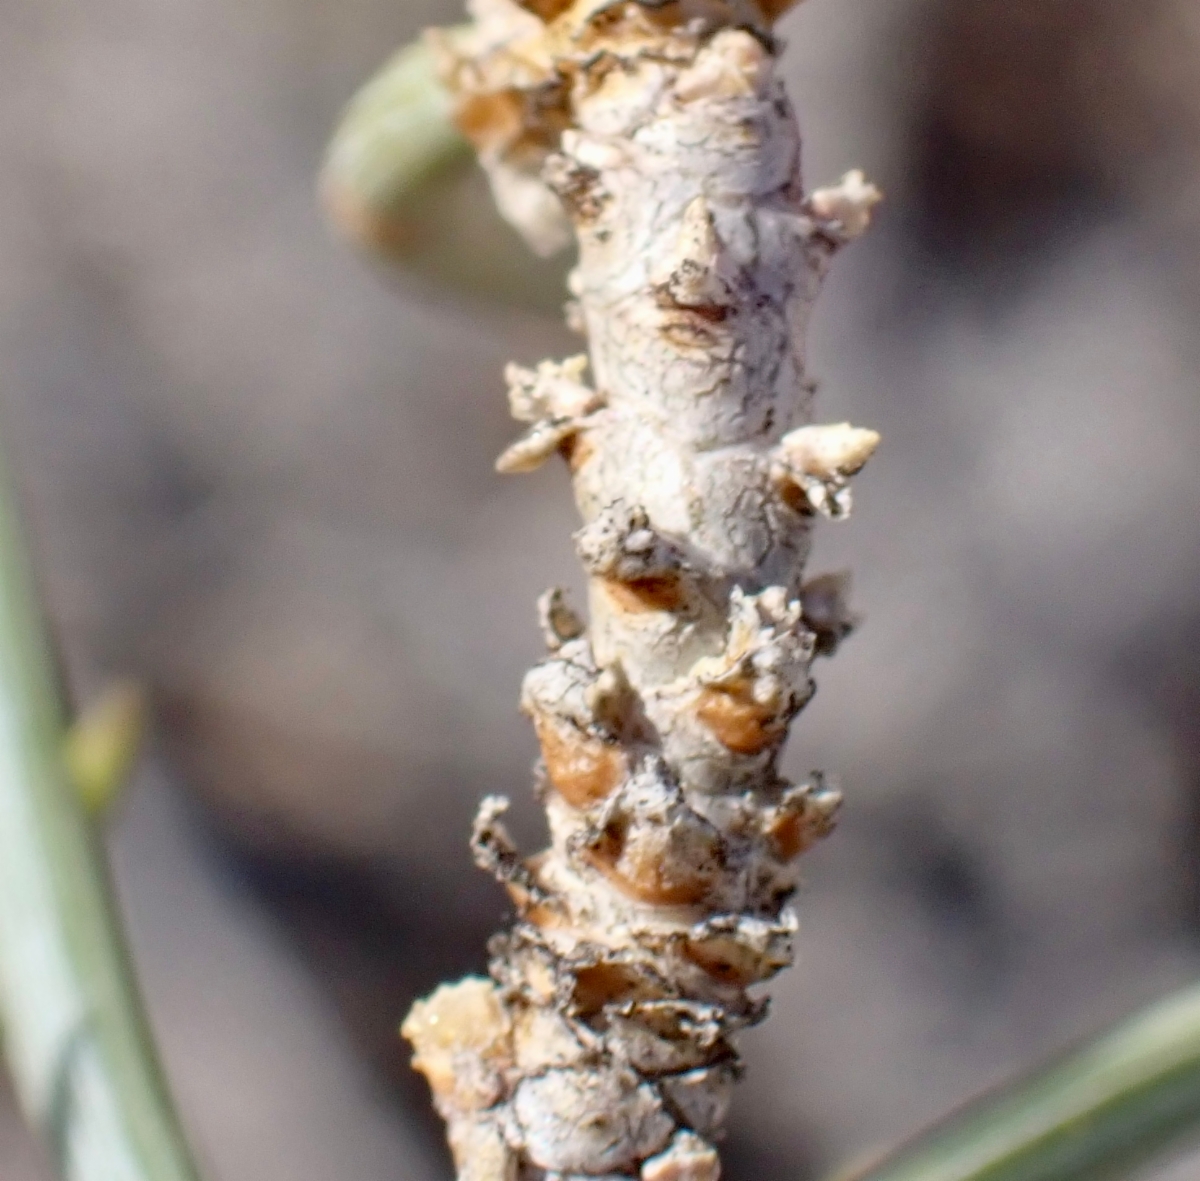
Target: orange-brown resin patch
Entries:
(744, 727)
(583, 769)
(603, 984)
(727, 961)
(664, 593)
(538, 914)
(789, 835)
(645, 882)
(649, 870)
(491, 120)
(796, 830)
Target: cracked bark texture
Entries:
(604, 1044)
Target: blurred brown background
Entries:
(258, 473)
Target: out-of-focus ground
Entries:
(258, 474)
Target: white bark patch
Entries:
(590, 1120)
(661, 134)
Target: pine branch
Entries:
(659, 136)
